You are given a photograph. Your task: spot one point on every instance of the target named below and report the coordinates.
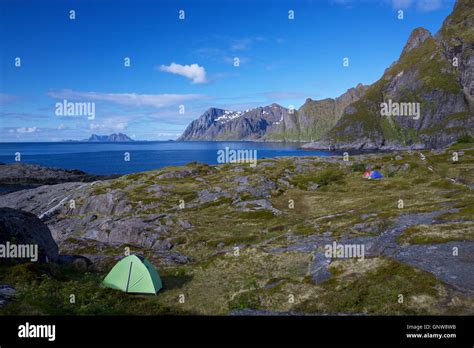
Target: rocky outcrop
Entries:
(417, 37)
(43, 201)
(22, 228)
(76, 213)
(6, 294)
(198, 128)
(33, 174)
(457, 38)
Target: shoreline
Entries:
(18, 176)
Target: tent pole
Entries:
(129, 274)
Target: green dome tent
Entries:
(133, 274)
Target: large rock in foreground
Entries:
(21, 228)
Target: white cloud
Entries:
(26, 129)
(421, 5)
(230, 60)
(401, 4)
(128, 99)
(194, 72)
(108, 126)
(163, 134)
(7, 98)
(429, 5)
(62, 127)
(244, 44)
(348, 4)
(285, 95)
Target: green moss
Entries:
(119, 184)
(366, 117)
(466, 211)
(322, 178)
(246, 300)
(458, 25)
(99, 189)
(443, 184)
(303, 229)
(358, 167)
(465, 139)
(135, 176)
(217, 203)
(257, 214)
(329, 176)
(376, 292)
(460, 117)
(392, 131)
(236, 238)
(440, 233)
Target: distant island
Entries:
(120, 137)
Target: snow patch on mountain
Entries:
(228, 116)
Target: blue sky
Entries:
(187, 62)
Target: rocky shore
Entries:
(33, 174)
(20, 176)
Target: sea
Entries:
(111, 158)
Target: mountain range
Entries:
(433, 73)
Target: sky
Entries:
(179, 67)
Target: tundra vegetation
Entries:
(234, 238)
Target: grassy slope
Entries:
(458, 25)
(319, 119)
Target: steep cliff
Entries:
(314, 118)
(434, 75)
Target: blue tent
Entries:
(375, 174)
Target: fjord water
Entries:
(108, 158)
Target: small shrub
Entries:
(328, 176)
(246, 300)
(465, 139)
(358, 167)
